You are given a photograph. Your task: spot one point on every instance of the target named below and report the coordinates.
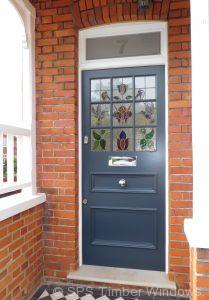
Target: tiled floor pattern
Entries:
(59, 292)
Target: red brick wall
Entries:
(180, 139)
(57, 27)
(57, 134)
(21, 254)
(199, 274)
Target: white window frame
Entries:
(24, 179)
(28, 197)
(123, 28)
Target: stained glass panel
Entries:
(100, 115)
(119, 110)
(122, 89)
(100, 90)
(122, 114)
(123, 139)
(145, 113)
(145, 139)
(100, 140)
(145, 88)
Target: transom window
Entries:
(123, 46)
(124, 114)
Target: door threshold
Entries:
(128, 277)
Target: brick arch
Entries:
(89, 13)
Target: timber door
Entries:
(124, 167)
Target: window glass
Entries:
(124, 120)
(123, 46)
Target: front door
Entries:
(124, 167)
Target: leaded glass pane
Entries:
(95, 85)
(113, 106)
(100, 140)
(123, 89)
(140, 82)
(150, 94)
(122, 114)
(145, 139)
(100, 90)
(123, 139)
(140, 94)
(95, 96)
(105, 96)
(150, 81)
(105, 84)
(100, 115)
(145, 113)
(145, 88)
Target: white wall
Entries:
(196, 230)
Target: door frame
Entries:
(137, 61)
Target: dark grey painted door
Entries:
(123, 204)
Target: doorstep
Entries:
(128, 277)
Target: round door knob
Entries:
(122, 183)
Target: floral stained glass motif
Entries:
(100, 115)
(122, 114)
(100, 90)
(122, 89)
(145, 88)
(118, 121)
(140, 94)
(100, 140)
(122, 139)
(105, 96)
(145, 139)
(145, 113)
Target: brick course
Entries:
(21, 254)
(57, 28)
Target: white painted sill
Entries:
(197, 234)
(13, 205)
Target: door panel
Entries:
(135, 183)
(124, 118)
(110, 227)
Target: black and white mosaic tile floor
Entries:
(60, 292)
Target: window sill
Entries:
(196, 234)
(12, 205)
